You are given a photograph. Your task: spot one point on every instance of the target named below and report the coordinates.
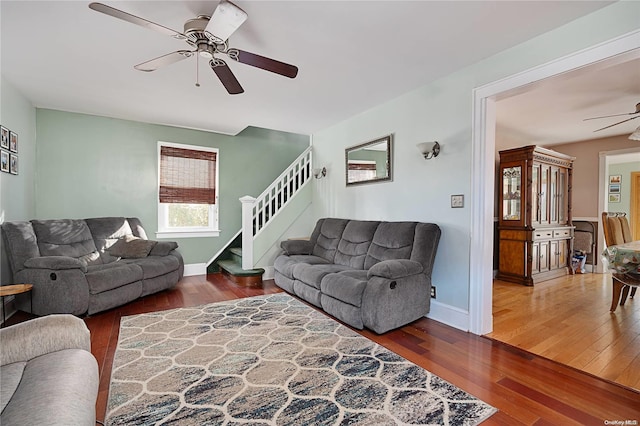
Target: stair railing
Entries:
(258, 212)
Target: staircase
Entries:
(232, 268)
(237, 260)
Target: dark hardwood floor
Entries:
(526, 389)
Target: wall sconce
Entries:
(429, 150)
(635, 136)
(319, 173)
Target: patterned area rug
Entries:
(270, 360)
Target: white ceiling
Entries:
(351, 55)
(553, 110)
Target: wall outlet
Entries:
(433, 292)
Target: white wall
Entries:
(442, 111)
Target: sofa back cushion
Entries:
(326, 237)
(425, 245)
(65, 237)
(392, 240)
(106, 231)
(354, 243)
(21, 243)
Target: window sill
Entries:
(187, 234)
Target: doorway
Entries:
(483, 168)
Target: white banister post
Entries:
(247, 231)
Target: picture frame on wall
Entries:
(13, 141)
(614, 188)
(13, 164)
(614, 198)
(4, 161)
(4, 137)
(615, 179)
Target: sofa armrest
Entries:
(297, 247)
(55, 263)
(30, 339)
(395, 269)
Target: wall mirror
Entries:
(369, 162)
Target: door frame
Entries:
(484, 164)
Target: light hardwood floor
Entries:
(568, 320)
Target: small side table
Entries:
(12, 290)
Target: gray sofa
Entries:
(49, 376)
(82, 266)
(365, 273)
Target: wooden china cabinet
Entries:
(535, 232)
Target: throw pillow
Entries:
(163, 248)
(131, 248)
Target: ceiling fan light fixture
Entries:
(635, 136)
(226, 19)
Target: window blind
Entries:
(187, 176)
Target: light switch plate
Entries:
(457, 201)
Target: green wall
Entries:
(17, 192)
(624, 170)
(90, 166)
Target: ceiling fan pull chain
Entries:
(197, 70)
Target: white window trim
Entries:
(213, 230)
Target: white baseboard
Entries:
(449, 315)
(195, 269)
(269, 273)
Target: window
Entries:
(187, 191)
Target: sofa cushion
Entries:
(392, 240)
(346, 286)
(312, 274)
(21, 243)
(106, 231)
(285, 264)
(11, 375)
(328, 236)
(154, 266)
(51, 392)
(63, 237)
(131, 247)
(354, 243)
(112, 275)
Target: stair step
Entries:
(236, 250)
(234, 268)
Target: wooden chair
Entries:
(617, 231)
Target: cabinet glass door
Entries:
(512, 193)
(553, 196)
(544, 186)
(562, 197)
(535, 194)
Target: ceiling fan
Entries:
(208, 36)
(636, 114)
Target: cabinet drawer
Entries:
(542, 235)
(558, 233)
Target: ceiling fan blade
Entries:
(225, 75)
(226, 19)
(637, 111)
(161, 61)
(619, 122)
(265, 63)
(116, 13)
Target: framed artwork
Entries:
(13, 164)
(614, 198)
(4, 137)
(614, 188)
(13, 141)
(615, 178)
(4, 161)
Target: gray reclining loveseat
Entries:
(82, 266)
(365, 273)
